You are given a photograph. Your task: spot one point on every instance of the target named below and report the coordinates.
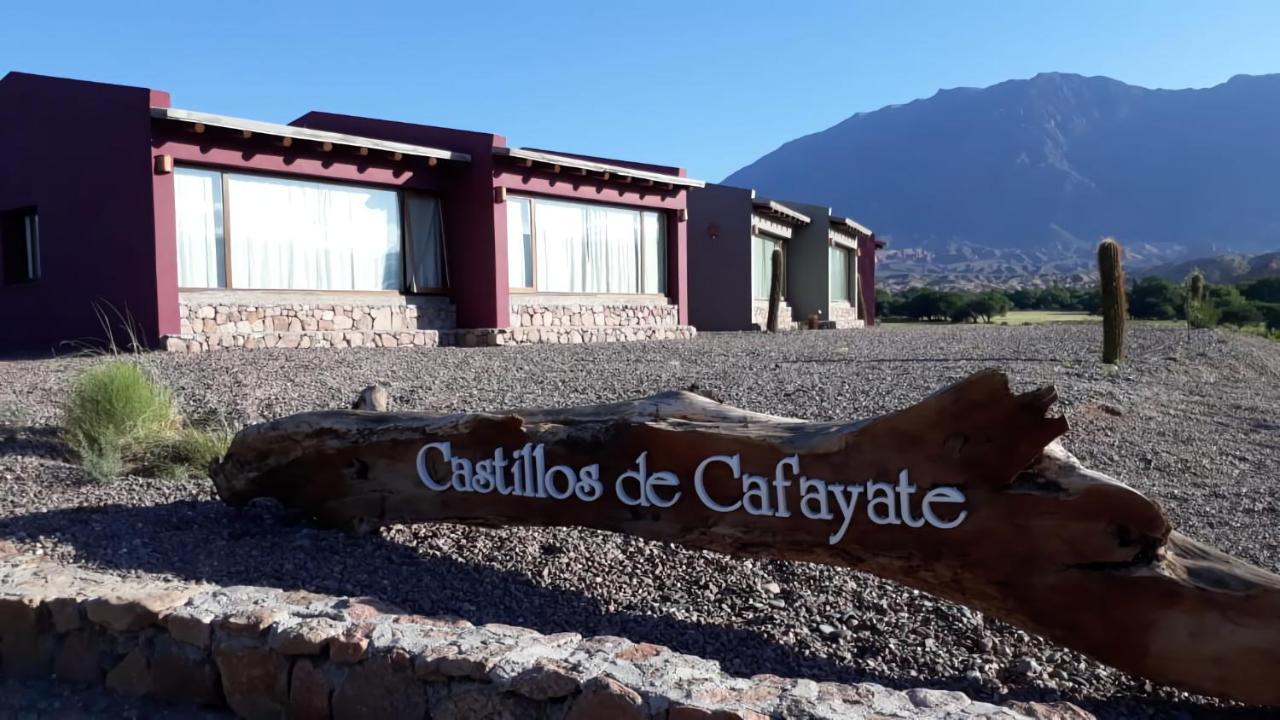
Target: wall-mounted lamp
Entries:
(682, 214)
(164, 164)
(499, 195)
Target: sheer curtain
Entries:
(425, 267)
(519, 243)
(653, 261)
(839, 272)
(762, 265)
(198, 210)
(291, 234)
(589, 248)
(562, 247)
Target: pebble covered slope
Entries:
(1190, 420)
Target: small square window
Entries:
(19, 246)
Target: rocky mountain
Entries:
(1223, 268)
(1027, 175)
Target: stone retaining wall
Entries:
(574, 321)
(268, 653)
(845, 315)
(217, 321)
(760, 315)
(248, 320)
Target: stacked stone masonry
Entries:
(760, 315)
(207, 326)
(581, 322)
(213, 326)
(270, 653)
(844, 315)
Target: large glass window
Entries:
(268, 233)
(290, 234)
(841, 261)
(198, 204)
(520, 242)
(559, 246)
(425, 266)
(762, 248)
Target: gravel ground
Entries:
(47, 700)
(1190, 420)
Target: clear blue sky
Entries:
(709, 85)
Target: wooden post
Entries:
(775, 291)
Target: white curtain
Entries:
(592, 248)
(653, 260)
(198, 209)
(519, 243)
(562, 249)
(291, 234)
(840, 274)
(424, 245)
(762, 265)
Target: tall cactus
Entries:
(775, 291)
(1114, 307)
(1196, 287)
(1194, 301)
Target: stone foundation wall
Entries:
(845, 315)
(760, 315)
(257, 320)
(268, 653)
(574, 321)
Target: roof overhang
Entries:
(847, 225)
(290, 133)
(765, 225)
(843, 240)
(556, 163)
(779, 211)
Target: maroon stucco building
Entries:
(207, 231)
(828, 262)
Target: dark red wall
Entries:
(867, 278)
(79, 152)
(720, 295)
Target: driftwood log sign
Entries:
(965, 495)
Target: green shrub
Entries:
(185, 454)
(1240, 314)
(1270, 314)
(120, 419)
(1203, 315)
(1154, 298)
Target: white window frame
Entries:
(401, 207)
(532, 287)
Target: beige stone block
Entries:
(254, 679)
(132, 676)
(309, 692)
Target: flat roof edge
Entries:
(780, 209)
(299, 133)
(595, 166)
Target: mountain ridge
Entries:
(1050, 164)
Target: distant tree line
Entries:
(1254, 302)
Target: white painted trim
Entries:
(596, 166)
(299, 133)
